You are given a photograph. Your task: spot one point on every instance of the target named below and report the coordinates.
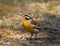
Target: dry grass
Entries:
(11, 17)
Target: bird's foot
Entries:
(37, 38)
(30, 39)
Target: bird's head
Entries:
(28, 16)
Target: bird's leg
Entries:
(31, 35)
(36, 36)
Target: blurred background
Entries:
(12, 11)
(45, 12)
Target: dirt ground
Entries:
(18, 38)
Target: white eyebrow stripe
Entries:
(29, 16)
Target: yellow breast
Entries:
(28, 26)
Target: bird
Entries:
(30, 25)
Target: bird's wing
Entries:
(35, 24)
(37, 27)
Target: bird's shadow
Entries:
(44, 40)
(35, 38)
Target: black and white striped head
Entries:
(28, 16)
